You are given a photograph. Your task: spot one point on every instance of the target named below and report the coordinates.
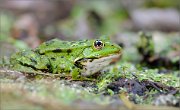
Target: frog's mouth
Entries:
(91, 66)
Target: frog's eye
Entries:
(98, 44)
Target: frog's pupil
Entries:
(98, 43)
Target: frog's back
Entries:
(56, 45)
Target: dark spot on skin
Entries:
(73, 67)
(52, 58)
(33, 60)
(32, 66)
(57, 50)
(48, 65)
(42, 53)
(112, 45)
(69, 51)
(62, 56)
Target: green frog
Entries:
(68, 58)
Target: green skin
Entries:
(62, 57)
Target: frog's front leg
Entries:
(64, 67)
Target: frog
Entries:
(74, 59)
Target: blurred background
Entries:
(27, 23)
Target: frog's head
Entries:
(100, 53)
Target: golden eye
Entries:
(98, 44)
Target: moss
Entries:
(142, 85)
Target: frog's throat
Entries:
(91, 66)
